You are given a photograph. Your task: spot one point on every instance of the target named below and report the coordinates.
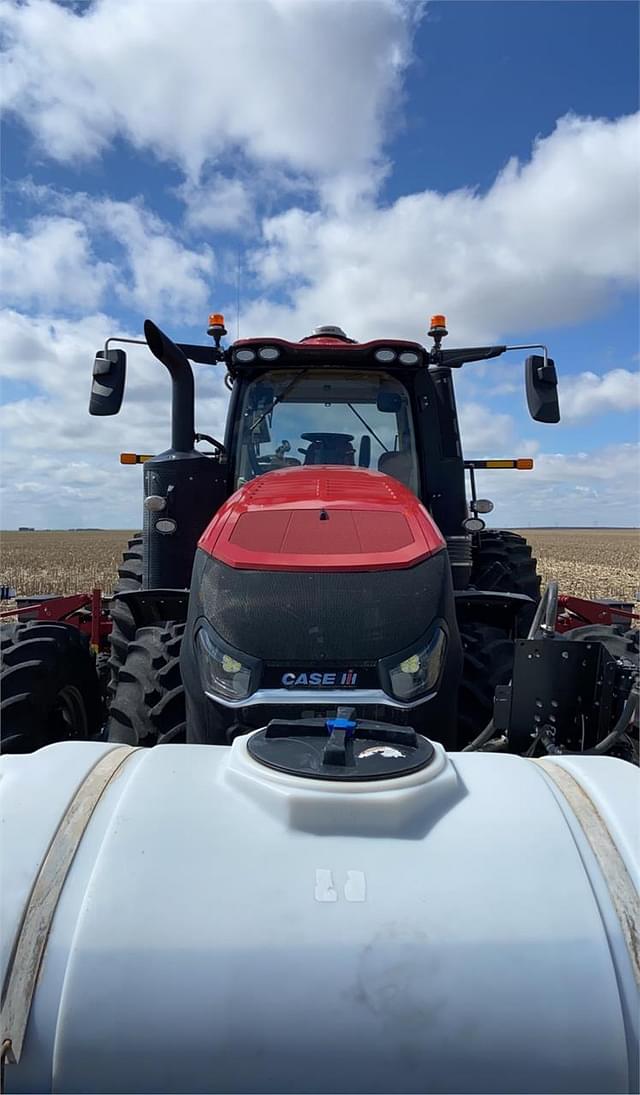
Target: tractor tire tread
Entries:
(123, 628)
(38, 661)
(149, 699)
(487, 662)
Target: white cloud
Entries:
(52, 263)
(220, 203)
(309, 85)
(58, 262)
(60, 467)
(544, 246)
(485, 433)
(598, 487)
(165, 277)
(589, 394)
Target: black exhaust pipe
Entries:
(182, 388)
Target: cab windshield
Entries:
(316, 416)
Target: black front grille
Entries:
(321, 618)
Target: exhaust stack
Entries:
(182, 386)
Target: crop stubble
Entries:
(588, 562)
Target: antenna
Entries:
(238, 297)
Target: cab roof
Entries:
(326, 350)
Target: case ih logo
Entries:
(339, 678)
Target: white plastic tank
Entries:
(228, 927)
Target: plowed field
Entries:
(589, 562)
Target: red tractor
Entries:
(326, 561)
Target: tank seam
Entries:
(595, 874)
(34, 929)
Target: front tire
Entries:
(149, 705)
(487, 662)
(123, 630)
(50, 687)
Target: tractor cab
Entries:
(323, 414)
(386, 405)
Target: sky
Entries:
(362, 163)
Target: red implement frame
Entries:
(577, 611)
(86, 611)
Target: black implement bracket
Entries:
(562, 688)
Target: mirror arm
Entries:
(116, 338)
(203, 355)
(532, 346)
(453, 359)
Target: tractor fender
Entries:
(153, 606)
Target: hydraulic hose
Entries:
(626, 715)
(481, 739)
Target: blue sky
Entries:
(363, 163)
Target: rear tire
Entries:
(149, 704)
(487, 662)
(123, 629)
(503, 563)
(50, 687)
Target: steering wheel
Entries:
(330, 439)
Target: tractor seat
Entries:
(399, 465)
(328, 448)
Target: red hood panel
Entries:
(322, 518)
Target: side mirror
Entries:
(107, 387)
(389, 402)
(542, 389)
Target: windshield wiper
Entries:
(278, 399)
(367, 427)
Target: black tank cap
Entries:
(341, 748)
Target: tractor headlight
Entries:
(419, 673)
(221, 673)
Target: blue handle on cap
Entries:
(340, 724)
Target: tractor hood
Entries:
(322, 518)
(313, 587)
(321, 564)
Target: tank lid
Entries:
(342, 748)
